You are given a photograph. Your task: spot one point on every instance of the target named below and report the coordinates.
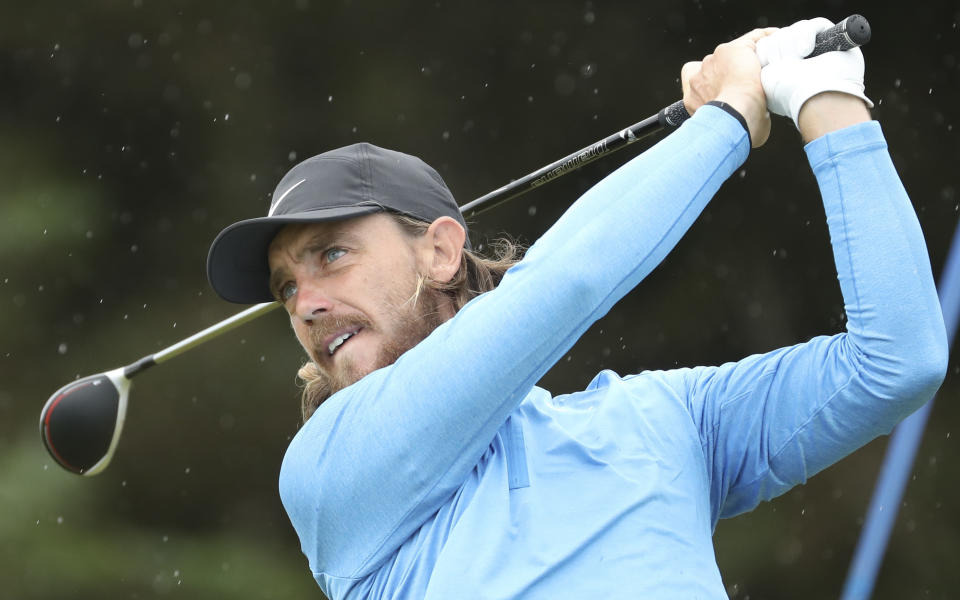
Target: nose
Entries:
(312, 300)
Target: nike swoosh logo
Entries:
(273, 208)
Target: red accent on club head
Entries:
(47, 411)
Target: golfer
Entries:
(432, 466)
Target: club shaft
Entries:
(200, 337)
(571, 162)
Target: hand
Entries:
(789, 80)
(732, 75)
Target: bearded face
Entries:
(354, 291)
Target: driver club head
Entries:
(81, 422)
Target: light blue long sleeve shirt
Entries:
(449, 474)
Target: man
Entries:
(433, 466)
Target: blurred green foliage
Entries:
(133, 131)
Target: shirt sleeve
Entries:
(770, 421)
(379, 458)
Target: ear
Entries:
(443, 247)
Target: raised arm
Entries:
(769, 422)
(378, 459)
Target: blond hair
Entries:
(477, 274)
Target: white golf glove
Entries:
(789, 79)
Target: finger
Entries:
(688, 71)
(752, 37)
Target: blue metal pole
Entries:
(898, 462)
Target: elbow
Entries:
(932, 369)
(924, 365)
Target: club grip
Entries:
(852, 32)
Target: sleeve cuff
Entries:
(735, 114)
(844, 140)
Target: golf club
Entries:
(80, 424)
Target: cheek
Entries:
(302, 334)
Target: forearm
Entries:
(893, 314)
(828, 112)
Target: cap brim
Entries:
(237, 264)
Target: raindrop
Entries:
(60, 520)
(226, 117)
(134, 248)
(242, 80)
(896, 82)
(186, 471)
(136, 40)
(292, 156)
(532, 210)
(62, 348)
(89, 234)
(588, 70)
(589, 17)
(445, 136)
(530, 99)
(166, 538)
(329, 98)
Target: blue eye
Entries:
(287, 291)
(333, 254)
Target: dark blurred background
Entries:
(132, 132)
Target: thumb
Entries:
(687, 71)
(795, 41)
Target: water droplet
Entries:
(62, 348)
(242, 80)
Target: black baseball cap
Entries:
(352, 181)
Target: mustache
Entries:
(324, 327)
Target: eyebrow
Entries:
(320, 240)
